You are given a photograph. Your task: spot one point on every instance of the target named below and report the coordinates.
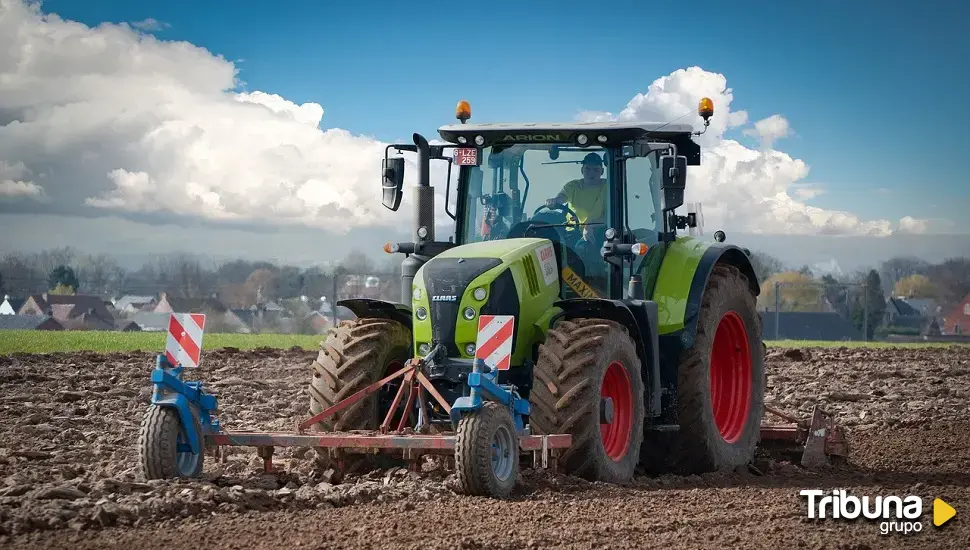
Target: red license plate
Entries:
(466, 156)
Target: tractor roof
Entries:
(551, 132)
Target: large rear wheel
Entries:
(357, 354)
(721, 384)
(588, 384)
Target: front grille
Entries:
(450, 277)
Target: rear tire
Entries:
(357, 354)
(582, 362)
(487, 452)
(721, 383)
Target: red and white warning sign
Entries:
(466, 156)
(184, 343)
(494, 345)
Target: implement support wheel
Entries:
(721, 384)
(588, 383)
(163, 446)
(487, 452)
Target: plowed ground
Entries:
(69, 478)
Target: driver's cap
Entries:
(592, 159)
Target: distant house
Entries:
(927, 307)
(149, 321)
(10, 306)
(29, 322)
(127, 325)
(219, 318)
(957, 320)
(808, 325)
(130, 304)
(73, 312)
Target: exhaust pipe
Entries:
(424, 193)
(423, 218)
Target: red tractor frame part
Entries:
(818, 438)
(409, 442)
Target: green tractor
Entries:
(641, 342)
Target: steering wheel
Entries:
(557, 206)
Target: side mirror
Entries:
(393, 184)
(673, 172)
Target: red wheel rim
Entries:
(616, 435)
(731, 377)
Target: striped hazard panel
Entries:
(184, 343)
(494, 343)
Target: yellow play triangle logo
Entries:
(942, 512)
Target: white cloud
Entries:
(755, 191)
(14, 185)
(114, 120)
(909, 224)
(768, 130)
(150, 24)
(122, 121)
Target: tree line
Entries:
(242, 283)
(861, 296)
(236, 283)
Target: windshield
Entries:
(561, 193)
(512, 185)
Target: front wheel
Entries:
(588, 384)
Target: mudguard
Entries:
(378, 309)
(686, 267)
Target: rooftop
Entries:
(660, 128)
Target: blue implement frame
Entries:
(482, 381)
(185, 397)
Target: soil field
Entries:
(69, 478)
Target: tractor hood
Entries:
(516, 277)
(502, 249)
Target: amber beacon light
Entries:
(705, 108)
(464, 111)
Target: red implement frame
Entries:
(819, 437)
(404, 439)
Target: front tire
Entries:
(721, 384)
(357, 354)
(588, 384)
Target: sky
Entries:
(173, 118)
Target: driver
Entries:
(587, 196)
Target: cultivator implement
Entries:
(817, 440)
(179, 426)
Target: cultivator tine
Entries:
(818, 438)
(405, 384)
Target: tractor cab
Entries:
(595, 190)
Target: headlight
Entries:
(469, 313)
(470, 349)
(421, 314)
(416, 294)
(479, 293)
(423, 349)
